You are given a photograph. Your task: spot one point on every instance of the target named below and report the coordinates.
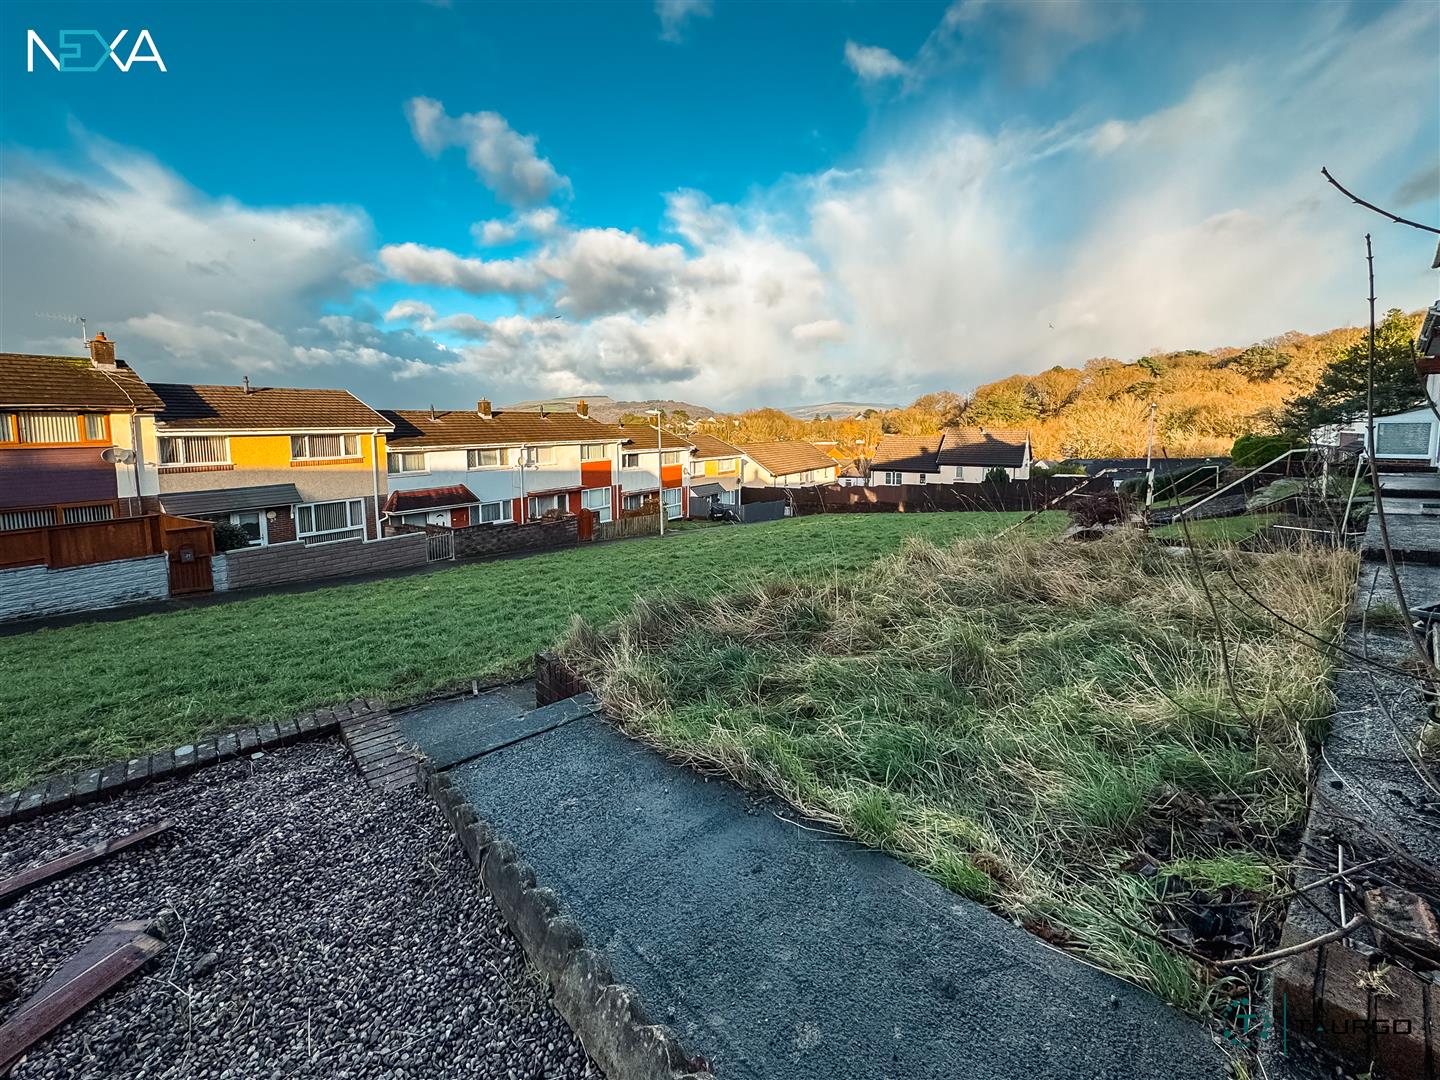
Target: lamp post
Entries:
(659, 465)
(1149, 458)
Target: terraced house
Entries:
(283, 464)
(77, 439)
(655, 463)
(715, 470)
(494, 466)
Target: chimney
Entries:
(102, 350)
(432, 411)
(582, 408)
(245, 383)
(483, 408)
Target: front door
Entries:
(460, 518)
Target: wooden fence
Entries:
(629, 524)
(82, 544)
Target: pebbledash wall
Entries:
(32, 592)
(285, 564)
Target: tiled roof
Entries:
(414, 429)
(642, 437)
(707, 446)
(907, 453)
(71, 382)
(983, 446)
(436, 498)
(228, 500)
(232, 408)
(785, 458)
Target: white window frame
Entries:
(264, 540)
(924, 478)
(630, 460)
(635, 500)
(600, 495)
(503, 513)
(892, 479)
(182, 441)
(475, 459)
(672, 457)
(347, 439)
(595, 451)
(355, 509)
(1421, 449)
(536, 456)
(422, 470)
(534, 513)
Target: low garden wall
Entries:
(482, 541)
(284, 564)
(30, 592)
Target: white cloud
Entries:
(503, 159)
(542, 222)
(417, 264)
(819, 332)
(410, 311)
(872, 63)
(674, 14)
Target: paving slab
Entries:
(778, 950)
(450, 731)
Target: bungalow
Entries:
(905, 459)
(494, 466)
(282, 463)
(77, 439)
(955, 455)
(715, 466)
(655, 461)
(1411, 437)
(786, 464)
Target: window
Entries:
(671, 457)
(486, 459)
(727, 465)
(597, 499)
(194, 450)
(594, 452)
(320, 523)
(634, 502)
(7, 427)
(924, 479)
(96, 429)
(891, 479)
(398, 462)
(252, 524)
(671, 498)
(1403, 440)
(494, 511)
(630, 461)
(322, 447)
(540, 505)
(539, 455)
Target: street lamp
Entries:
(659, 465)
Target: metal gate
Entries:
(439, 544)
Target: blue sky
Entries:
(736, 204)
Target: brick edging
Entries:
(607, 1015)
(64, 790)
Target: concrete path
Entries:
(775, 949)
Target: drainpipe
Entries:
(524, 502)
(375, 475)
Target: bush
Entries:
(229, 536)
(997, 475)
(1250, 451)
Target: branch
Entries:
(1350, 927)
(1371, 206)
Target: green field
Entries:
(90, 693)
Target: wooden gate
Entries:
(585, 524)
(189, 572)
(189, 543)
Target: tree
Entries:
(1339, 397)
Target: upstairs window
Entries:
(594, 452)
(486, 459)
(399, 462)
(52, 428)
(630, 461)
(539, 455)
(671, 457)
(194, 450)
(323, 447)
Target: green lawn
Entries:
(86, 694)
(1227, 530)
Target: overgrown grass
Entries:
(91, 693)
(1216, 531)
(1016, 717)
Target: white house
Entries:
(1412, 436)
(654, 461)
(786, 464)
(715, 465)
(955, 455)
(462, 468)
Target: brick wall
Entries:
(282, 564)
(29, 592)
(480, 541)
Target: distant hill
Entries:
(607, 409)
(836, 409)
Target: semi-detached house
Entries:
(282, 463)
(955, 455)
(494, 466)
(786, 464)
(654, 462)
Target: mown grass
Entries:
(1216, 531)
(90, 693)
(1016, 717)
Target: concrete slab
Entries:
(779, 951)
(449, 731)
(1413, 537)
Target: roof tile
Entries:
(285, 408)
(71, 382)
(785, 458)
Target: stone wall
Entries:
(28, 592)
(483, 541)
(284, 564)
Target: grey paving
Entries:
(779, 951)
(1413, 537)
(450, 731)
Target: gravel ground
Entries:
(316, 928)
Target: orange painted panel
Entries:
(594, 474)
(672, 475)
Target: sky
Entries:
(734, 204)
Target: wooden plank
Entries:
(101, 963)
(36, 875)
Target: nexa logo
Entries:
(75, 45)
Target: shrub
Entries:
(997, 475)
(229, 536)
(1250, 451)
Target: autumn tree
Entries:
(1340, 395)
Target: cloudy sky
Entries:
(735, 204)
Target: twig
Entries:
(1348, 928)
(1371, 206)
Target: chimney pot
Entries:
(102, 350)
(483, 408)
(582, 408)
(245, 382)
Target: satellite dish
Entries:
(117, 455)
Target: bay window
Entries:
(323, 522)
